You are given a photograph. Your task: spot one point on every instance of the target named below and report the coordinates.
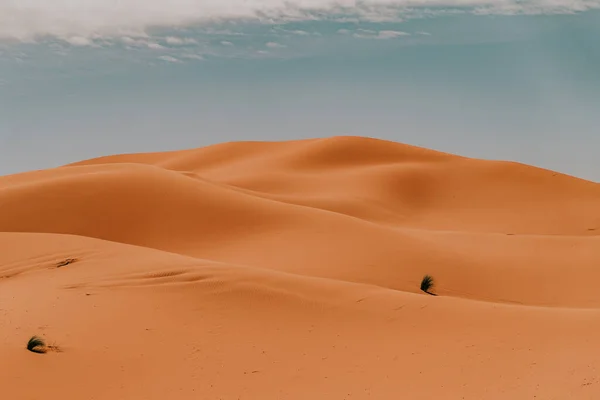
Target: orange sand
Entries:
(291, 270)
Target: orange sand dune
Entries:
(291, 270)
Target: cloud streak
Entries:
(370, 34)
(170, 59)
(27, 20)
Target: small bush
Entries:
(427, 284)
(36, 345)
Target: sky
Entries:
(514, 80)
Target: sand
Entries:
(291, 270)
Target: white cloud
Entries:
(370, 34)
(28, 19)
(275, 45)
(134, 42)
(297, 32)
(192, 56)
(142, 42)
(226, 43)
(366, 31)
(391, 34)
(155, 46)
(170, 59)
(177, 41)
(363, 35)
(79, 41)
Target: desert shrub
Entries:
(36, 345)
(427, 284)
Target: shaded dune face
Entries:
(291, 270)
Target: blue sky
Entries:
(517, 80)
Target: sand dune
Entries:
(291, 270)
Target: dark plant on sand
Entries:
(427, 284)
(37, 345)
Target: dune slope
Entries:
(291, 270)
